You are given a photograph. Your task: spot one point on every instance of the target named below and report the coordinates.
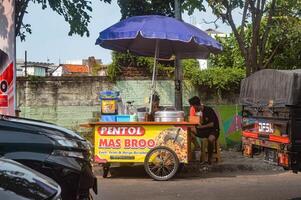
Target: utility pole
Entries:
(25, 64)
(178, 66)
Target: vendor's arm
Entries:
(210, 125)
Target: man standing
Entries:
(209, 127)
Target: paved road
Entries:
(232, 185)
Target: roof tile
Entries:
(75, 68)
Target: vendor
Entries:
(156, 103)
(209, 128)
(155, 107)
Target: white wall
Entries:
(58, 72)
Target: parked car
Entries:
(56, 152)
(271, 101)
(18, 182)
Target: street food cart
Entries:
(160, 146)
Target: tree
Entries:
(253, 12)
(76, 13)
(156, 7)
(283, 47)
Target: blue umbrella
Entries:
(143, 35)
(158, 36)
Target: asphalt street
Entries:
(264, 185)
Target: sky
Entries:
(49, 41)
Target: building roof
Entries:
(69, 68)
(36, 64)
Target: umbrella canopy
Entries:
(142, 35)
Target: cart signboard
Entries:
(131, 143)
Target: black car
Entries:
(18, 182)
(56, 152)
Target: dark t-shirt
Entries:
(208, 117)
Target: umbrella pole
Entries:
(154, 75)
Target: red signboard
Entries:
(121, 131)
(7, 58)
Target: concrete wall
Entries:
(69, 101)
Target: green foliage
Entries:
(143, 7)
(283, 48)
(75, 13)
(284, 44)
(95, 69)
(191, 5)
(224, 79)
(124, 60)
(190, 66)
(114, 68)
(156, 7)
(217, 80)
(231, 55)
(254, 33)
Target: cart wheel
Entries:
(106, 170)
(161, 163)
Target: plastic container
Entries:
(109, 102)
(141, 116)
(109, 94)
(108, 118)
(123, 118)
(133, 118)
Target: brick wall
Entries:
(134, 72)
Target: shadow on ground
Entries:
(233, 164)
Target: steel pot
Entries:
(169, 116)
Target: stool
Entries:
(216, 150)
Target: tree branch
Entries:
(256, 21)
(21, 6)
(238, 36)
(252, 9)
(272, 55)
(212, 22)
(262, 44)
(243, 20)
(262, 6)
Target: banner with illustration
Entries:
(131, 143)
(7, 57)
